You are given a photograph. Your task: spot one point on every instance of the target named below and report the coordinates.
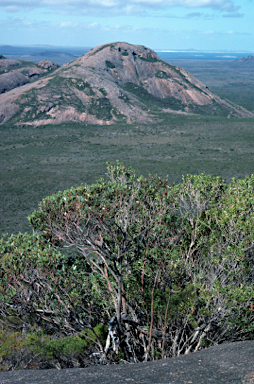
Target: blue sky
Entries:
(225, 25)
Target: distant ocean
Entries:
(199, 55)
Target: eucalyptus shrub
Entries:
(168, 269)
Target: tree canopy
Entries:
(168, 268)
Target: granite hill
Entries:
(111, 83)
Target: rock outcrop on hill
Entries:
(14, 73)
(7, 64)
(12, 80)
(47, 64)
(111, 83)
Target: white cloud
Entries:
(12, 9)
(117, 6)
(223, 33)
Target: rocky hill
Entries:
(245, 60)
(111, 83)
(14, 73)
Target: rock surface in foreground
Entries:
(231, 363)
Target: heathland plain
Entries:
(39, 161)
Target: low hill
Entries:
(14, 73)
(245, 60)
(55, 54)
(111, 83)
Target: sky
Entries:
(216, 25)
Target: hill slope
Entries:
(110, 83)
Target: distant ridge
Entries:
(116, 82)
(245, 59)
(61, 55)
(55, 54)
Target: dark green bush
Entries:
(110, 64)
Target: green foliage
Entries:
(125, 53)
(101, 108)
(110, 64)
(101, 331)
(10, 343)
(103, 91)
(82, 85)
(149, 59)
(40, 349)
(64, 346)
(19, 250)
(40, 287)
(152, 101)
(69, 346)
(218, 237)
(111, 45)
(179, 257)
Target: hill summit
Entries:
(111, 83)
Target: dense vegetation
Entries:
(37, 162)
(129, 269)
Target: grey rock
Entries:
(45, 108)
(12, 80)
(6, 64)
(47, 64)
(229, 363)
(17, 73)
